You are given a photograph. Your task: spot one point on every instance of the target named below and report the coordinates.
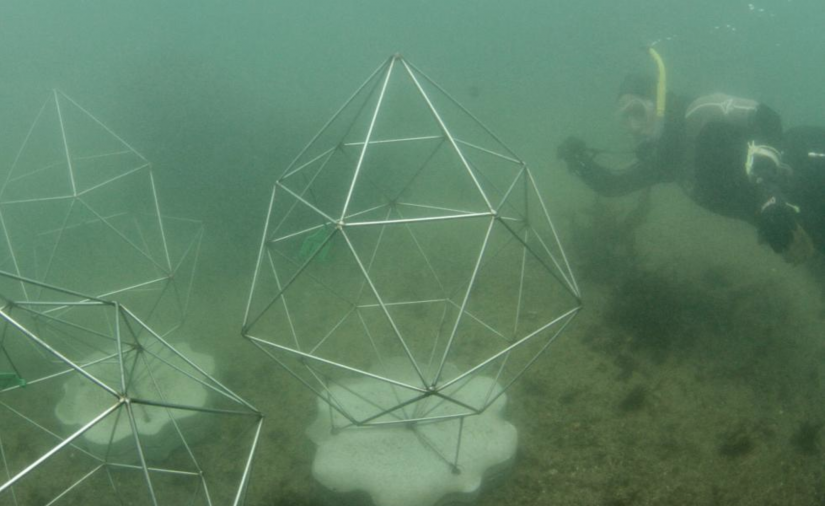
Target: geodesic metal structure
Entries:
(79, 209)
(408, 230)
(97, 408)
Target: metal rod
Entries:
(171, 405)
(307, 164)
(520, 286)
(306, 188)
(12, 254)
(480, 321)
(573, 284)
(284, 303)
(187, 360)
(58, 374)
(112, 180)
(104, 155)
(59, 447)
(126, 239)
(37, 200)
(421, 420)
(448, 135)
(377, 296)
(489, 151)
(119, 342)
(386, 411)
(58, 241)
(336, 364)
(299, 233)
(442, 289)
(367, 211)
(47, 431)
(6, 467)
(371, 127)
(141, 455)
(112, 484)
(557, 273)
(373, 256)
(418, 171)
(194, 243)
(260, 259)
(158, 470)
(293, 278)
(169, 414)
(334, 116)
(332, 330)
(390, 141)
(25, 142)
(536, 357)
(75, 484)
(418, 220)
(464, 302)
(257, 343)
(382, 364)
(509, 348)
(56, 353)
(306, 203)
(195, 261)
(465, 110)
(462, 212)
(40, 169)
(109, 130)
(426, 410)
(98, 299)
(458, 402)
(65, 144)
(519, 176)
(25, 305)
(248, 467)
(327, 395)
(228, 394)
(160, 220)
(458, 443)
(401, 303)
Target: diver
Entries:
(729, 154)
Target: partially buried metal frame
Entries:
(119, 347)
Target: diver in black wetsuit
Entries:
(728, 153)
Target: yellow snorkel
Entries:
(661, 90)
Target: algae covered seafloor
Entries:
(694, 376)
(697, 377)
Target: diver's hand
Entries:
(575, 154)
(571, 150)
(776, 223)
(779, 226)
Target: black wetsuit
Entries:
(704, 146)
(803, 148)
(655, 163)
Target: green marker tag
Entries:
(10, 379)
(312, 243)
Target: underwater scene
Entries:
(412, 253)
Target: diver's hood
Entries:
(639, 84)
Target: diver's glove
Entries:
(574, 152)
(778, 226)
(776, 222)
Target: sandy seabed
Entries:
(693, 376)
